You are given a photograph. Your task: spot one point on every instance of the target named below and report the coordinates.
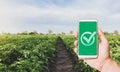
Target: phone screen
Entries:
(88, 39)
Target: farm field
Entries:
(26, 53)
(38, 35)
(40, 52)
(114, 41)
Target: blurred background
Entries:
(57, 15)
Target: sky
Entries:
(57, 15)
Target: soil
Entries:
(63, 61)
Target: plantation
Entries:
(26, 53)
(36, 52)
(114, 41)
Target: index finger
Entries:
(76, 33)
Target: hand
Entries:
(103, 56)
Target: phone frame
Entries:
(88, 56)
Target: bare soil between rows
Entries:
(63, 60)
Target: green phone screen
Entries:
(88, 38)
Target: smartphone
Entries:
(88, 39)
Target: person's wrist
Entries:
(100, 63)
(106, 64)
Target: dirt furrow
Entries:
(63, 61)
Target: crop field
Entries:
(38, 52)
(114, 42)
(26, 53)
